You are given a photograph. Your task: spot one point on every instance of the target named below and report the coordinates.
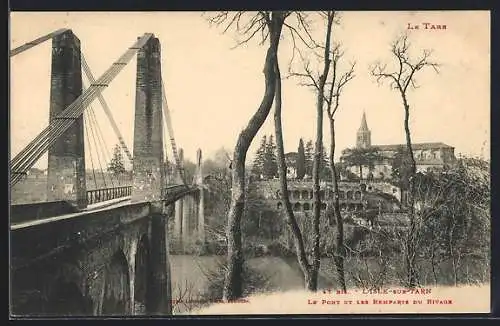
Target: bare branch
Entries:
(308, 74)
(405, 76)
(344, 79)
(260, 21)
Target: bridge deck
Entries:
(177, 192)
(111, 204)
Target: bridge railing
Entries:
(172, 189)
(99, 195)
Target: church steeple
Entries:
(363, 139)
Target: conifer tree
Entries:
(117, 165)
(309, 152)
(301, 160)
(258, 163)
(270, 161)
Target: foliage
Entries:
(189, 170)
(309, 156)
(260, 218)
(265, 162)
(401, 167)
(361, 157)
(117, 164)
(259, 160)
(301, 160)
(453, 214)
(270, 168)
(253, 281)
(218, 184)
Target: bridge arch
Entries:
(65, 296)
(66, 299)
(116, 299)
(141, 275)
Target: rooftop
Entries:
(415, 146)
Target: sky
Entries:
(213, 89)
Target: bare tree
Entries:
(309, 269)
(306, 267)
(332, 99)
(329, 56)
(270, 25)
(401, 79)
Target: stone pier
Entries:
(148, 179)
(66, 157)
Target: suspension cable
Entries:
(41, 39)
(37, 147)
(106, 109)
(86, 124)
(102, 143)
(97, 148)
(166, 114)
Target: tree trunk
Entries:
(360, 172)
(233, 278)
(316, 194)
(317, 158)
(290, 217)
(452, 253)
(411, 237)
(339, 239)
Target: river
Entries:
(189, 277)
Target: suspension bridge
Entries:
(98, 244)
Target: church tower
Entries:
(363, 139)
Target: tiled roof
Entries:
(415, 146)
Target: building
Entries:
(353, 196)
(432, 156)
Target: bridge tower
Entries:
(66, 157)
(148, 172)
